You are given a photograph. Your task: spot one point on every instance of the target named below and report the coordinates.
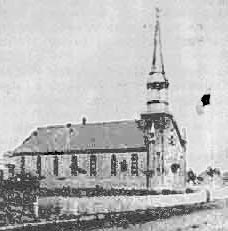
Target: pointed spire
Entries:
(157, 62)
(157, 84)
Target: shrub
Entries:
(166, 192)
(188, 190)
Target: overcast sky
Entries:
(61, 60)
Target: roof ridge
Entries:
(109, 122)
(51, 126)
(92, 123)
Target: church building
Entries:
(135, 154)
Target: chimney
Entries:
(68, 125)
(84, 120)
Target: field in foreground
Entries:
(211, 219)
(208, 216)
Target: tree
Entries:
(217, 171)
(210, 171)
(213, 171)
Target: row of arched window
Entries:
(93, 165)
(123, 165)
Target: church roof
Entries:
(91, 136)
(116, 136)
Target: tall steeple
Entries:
(157, 84)
(164, 159)
(157, 62)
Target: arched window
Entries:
(93, 165)
(123, 166)
(11, 168)
(158, 163)
(1, 175)
(134, 165)
(113, 165)
(56, 167)
(38, 165)
(74, 165)
(23, 165)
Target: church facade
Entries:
(136, 154)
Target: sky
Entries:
(62, 60)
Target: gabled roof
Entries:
(117, 136)
(110, 135)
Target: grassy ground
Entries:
(213, 218)
(208, 217)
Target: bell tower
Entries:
(164, 144)
(157, 83)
